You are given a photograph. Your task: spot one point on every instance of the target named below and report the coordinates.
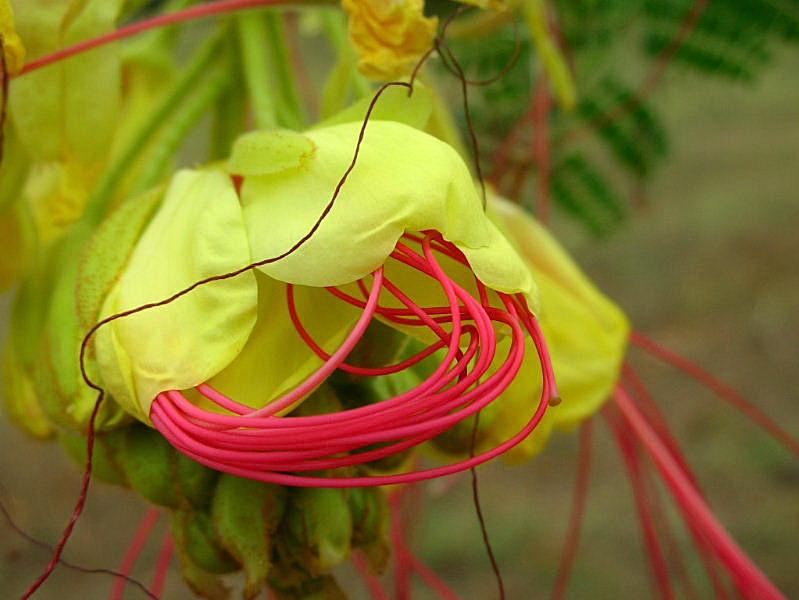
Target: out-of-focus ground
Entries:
(709, 266)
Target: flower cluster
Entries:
(307, 314)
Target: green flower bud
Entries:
(319, 588)
(202, 582)
(371, 525)
(195, 482)
(246, 515)
(319, 528)
(148, 462)
(201, 545)
(20, 400)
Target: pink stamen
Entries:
(135, 549)
(658, 422)
(663, 525)
(751, 582)
(723, 390)
(407, 562)
(260, 445)
(188, 14)
(162, 565)
(577, 514)
(632, 459)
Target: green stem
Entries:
(191, 112)
(230, 110)
(253, 34)
(107, 186)
(290, 106)
(335, 25)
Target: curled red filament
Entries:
(260, 445)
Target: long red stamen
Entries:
(135, 549)
(658, 422)
(632, 459)
(578, 512)
(407, 562)
(260, 445)
(663, 526)
(750, 581)
(402, 566)
(162, 564)
(723, 390)
(188, 14)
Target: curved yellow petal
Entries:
(586, 334)
(275, 358)
(286, 150)
(404, 180)
(197, 233)
(68, 110)
(12, 48)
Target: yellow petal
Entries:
(68, 109)
(394, 104)
(286, 149)
(257, 375)
(404, 180)
(12, 48)
(197, 233)
(586, 334)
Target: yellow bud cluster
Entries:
(389, 35)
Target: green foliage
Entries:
(614, 134)
(628, 128)
(580, 189)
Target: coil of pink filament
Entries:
(259, 444)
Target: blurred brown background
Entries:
(708, 266)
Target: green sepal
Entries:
(246, 515)
(319, 526)
(203, 583)
(59, 384)
(196, 483)
(107, 251)
(318, 588)
(371, 525)
(149, 464)
(105, 466)
(201, 544)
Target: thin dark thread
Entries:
(514, 59)
(70, 565)
(441, 43)
(478, 509)
(455, 68)
(441, 33)
(77, 511)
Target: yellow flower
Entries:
(587, 335)
(389, 35)
(222, 332)
(12, 48)
(65, 115)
